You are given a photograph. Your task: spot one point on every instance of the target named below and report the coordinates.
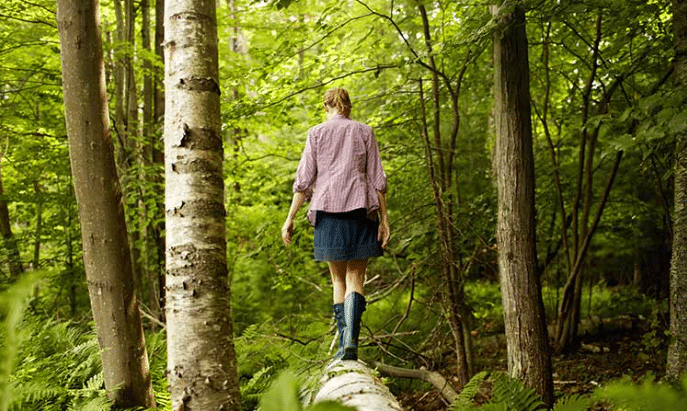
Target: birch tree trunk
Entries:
(526, 335)
(677, 352)
(201, 360)
(107, 261)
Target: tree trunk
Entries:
(569, 310)
(151, 268)
(525, 323)
(9, 242)
(677, 352)
(353, 384)
(158, 152)
(202, 372)
(107, 261)
(440, 169)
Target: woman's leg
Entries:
(337, 269)
(354, 305)
(355, 276)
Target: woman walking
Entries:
(341, 173)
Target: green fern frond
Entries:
(465, 400)
(100, 403)
(573, 403)
(500, 406)
(514, 394)
(13, 302)
(30, 394)
(96, 382)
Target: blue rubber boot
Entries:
(354, 305)
(341, 325)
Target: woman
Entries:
(340, 172)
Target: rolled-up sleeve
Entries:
(307, 169)
(375, 172)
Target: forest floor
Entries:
(635, 351)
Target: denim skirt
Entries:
(346, 236)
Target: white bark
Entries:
(354, 384)
(200, 350)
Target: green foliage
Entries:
(466, 397)
(507, 394)
(13, 303)
(647, 395)
(61, 369)
(513, 394)
(288, 52)
(284, 394)
(573, 403)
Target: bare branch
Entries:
(432, 377)
(5, 16)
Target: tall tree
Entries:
(677, 352)
(440, 154)
(105, 245)
(524, 318)
(200, 349)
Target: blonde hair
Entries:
(338, 99)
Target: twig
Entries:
(410, 303)
(151, 318)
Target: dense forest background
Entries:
(605, 113)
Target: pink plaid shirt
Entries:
(340, 169)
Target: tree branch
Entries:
(432, 377)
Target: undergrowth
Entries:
(49, 365)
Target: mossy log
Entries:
(353, 383)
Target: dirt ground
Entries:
(606, 356)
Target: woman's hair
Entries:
(338, 98)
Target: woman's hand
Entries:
(287, 231)
(384, 233)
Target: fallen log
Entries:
(353, 383)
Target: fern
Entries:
(507, 394)
(573, 403)
(13, 303)
(514, 394)
(465, 400)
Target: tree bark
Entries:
(525, 323)
(107, 261)
(677, 351)
(353, 384)
(201, 369)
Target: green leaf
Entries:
(330, 406)
(282, 394)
